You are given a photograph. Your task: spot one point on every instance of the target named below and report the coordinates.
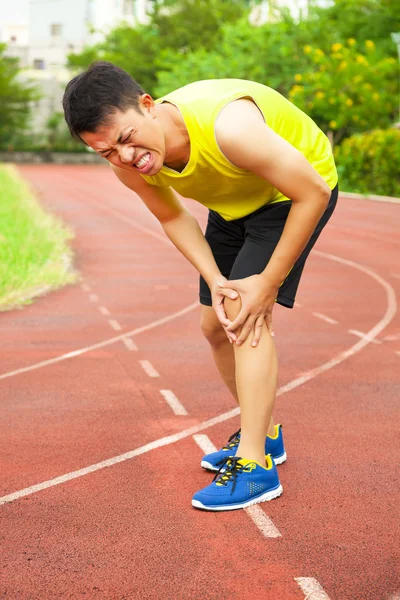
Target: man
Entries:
(267, 174)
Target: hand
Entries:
(258, 299)
(219, 291)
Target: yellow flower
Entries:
(319, 52)
(361, 59)
(369, 44)
(349, 102)
(296, 88)
(342, 65)
(351, 41)
(332, 124)
(298, 77)
(307, 49)
(357, 79)
(336, 47)
(376, 96)
(320, 95)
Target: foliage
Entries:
(370, 162)
(347, 88)
(144, 50)
(15, 99)
(34, 255)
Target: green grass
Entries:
(34, 254)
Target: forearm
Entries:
(186, 235)
(301, 222)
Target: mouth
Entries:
(145, 163)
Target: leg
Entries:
(256, 382)
(224, 354)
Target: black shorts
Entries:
(243, 247)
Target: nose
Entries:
(126, 153)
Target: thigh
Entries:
(263, 232)
(225, 239)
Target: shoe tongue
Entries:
(245, 462)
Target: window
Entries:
(55, 29)
(38, 63)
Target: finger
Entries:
(227, 293)
(221, 314)
(231, 336)
(246, 330)
(268, 320)
(258, 326)
(240, 319)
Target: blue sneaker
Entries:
(273, 446)
(242, 483)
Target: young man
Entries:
(267, 174)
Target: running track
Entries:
(101, 437)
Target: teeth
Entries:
(143, 161)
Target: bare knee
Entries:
(232, 308)
(212, 328)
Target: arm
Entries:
(184, 232)
(266, 154)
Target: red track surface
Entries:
(128, 531)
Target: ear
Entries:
(147, 105)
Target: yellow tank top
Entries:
(212, 179)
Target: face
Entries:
(131, 141)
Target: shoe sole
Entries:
(271, 495)
(278, 461)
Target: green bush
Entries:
(369, 163)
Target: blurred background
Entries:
(338, 60)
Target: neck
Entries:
(176, 135)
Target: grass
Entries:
(34, 255)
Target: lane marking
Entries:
(362, 335)
(108, 342)
(93, 298)
(130, 344)
(395, 275)
(255, 512)
(325, 318)
(297, 305)
(342, 356)
(161, 287)
(104, 310)
(391, 338)
(173, 402)
(262, 521)
(115, 325)
(85, 287)
(312, 589)
(204, 443)
(148, 368)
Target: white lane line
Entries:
(312, 589)
(93, 298)
(113, 340)
(204, 443)
(161, 287)
(86, 287)
(173, 402)
(395, 275)
(130, 344)
(115, 325)
(325, 318)
(104, 310)
(366, 336)
(297, 305)
(148, 368)
(255, 512)
(263, 522)
(339, 358)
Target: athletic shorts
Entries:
(243, 247)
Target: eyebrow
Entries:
(119, 140)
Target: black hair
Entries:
(92, 97)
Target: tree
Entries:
(348, 89)
(15, 99)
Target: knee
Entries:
(213, 332)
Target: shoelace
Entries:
(232, 469)
(233, 440)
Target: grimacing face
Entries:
(131, 141)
